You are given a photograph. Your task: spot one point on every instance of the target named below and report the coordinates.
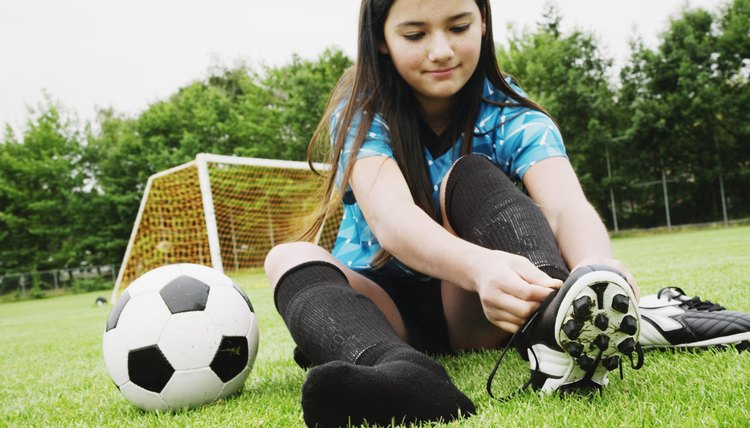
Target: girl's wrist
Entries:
(472, 263)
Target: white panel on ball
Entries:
(142, 320)
(205, 274)
(192, 388)
(229, 311)
(153, 280)
(115, 357)
(190, 340)
(253, 339)
(142, 398)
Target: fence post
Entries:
(611, 189)
(666, 195)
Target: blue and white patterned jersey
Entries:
(514, 138)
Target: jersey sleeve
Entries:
(530, 136)
(376, 143)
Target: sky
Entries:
(126, 55)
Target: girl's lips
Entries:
(443, 72)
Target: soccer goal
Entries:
(222, 211)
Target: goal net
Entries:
(223, 211)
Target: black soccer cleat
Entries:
(670, 319)
(582, 331)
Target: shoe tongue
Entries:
(671, 294)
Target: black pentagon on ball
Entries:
(185, 294)
(114, 314)
(230, 358)
(149, 368)
(244, 296)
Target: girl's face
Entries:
(434, 45)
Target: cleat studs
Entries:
(627, 346)
(611, 363)
(572, 329)
(601, 341)
(602, 322)
(629, 325)
(620, 303)
(585, 362)
(582, 307)
(574, 349)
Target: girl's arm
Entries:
(510, 287)
(579, 230)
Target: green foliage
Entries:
(70, 194)
(302, 89)
(569, 76)
(86, 285)
(689, 120)
(679, 111)
(36, 287)
(268, 114)
(42, 187)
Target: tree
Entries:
(301, 91)
(42, 188)
(120, 167)
(732, 66)
(268, 114)
(569, 76)
(686, 98)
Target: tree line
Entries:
(674, 119)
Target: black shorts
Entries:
(421, 306)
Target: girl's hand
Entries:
(510, 288)
(615, 264)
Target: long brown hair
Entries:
(372, 85)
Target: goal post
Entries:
(226, 212)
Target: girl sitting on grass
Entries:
(438, 250)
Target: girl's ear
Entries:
(383, 48)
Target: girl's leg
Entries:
(594, 311)
(480, 204)
(284, 257)
(363, 369)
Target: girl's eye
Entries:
(414, 36)
(460, 29)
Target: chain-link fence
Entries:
(79, 279)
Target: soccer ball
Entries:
(180, 336)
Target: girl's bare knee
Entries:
(285, 256)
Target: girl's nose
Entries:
(440, 48)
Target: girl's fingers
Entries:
(528, 290)
(509, 327)
(534, 275)
(505, 307)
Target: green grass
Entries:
(52, 372)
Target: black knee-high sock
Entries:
(364, 372)
(484, 207)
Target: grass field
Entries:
(52, 372)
